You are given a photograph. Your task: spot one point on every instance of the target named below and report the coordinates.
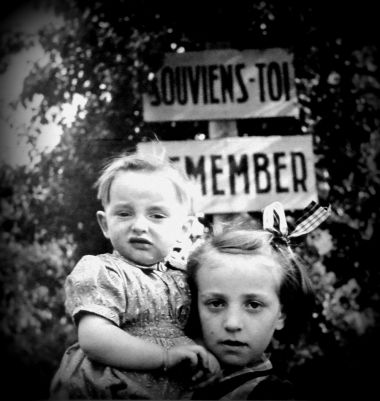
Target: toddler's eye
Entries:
(124, 214)
(158, 216)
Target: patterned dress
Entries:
(151, 303)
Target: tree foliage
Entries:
(107, 52)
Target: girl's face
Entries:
(238, 305)
(144, 217)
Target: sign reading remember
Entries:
(223, 84)
(240, 174)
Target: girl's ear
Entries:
(280, 321)
(102, 220)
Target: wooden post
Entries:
(218, 129)
(222, 128)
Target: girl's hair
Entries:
(295, 289)
(142, 163)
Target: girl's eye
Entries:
(254, 305)
(215, 304)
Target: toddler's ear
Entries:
(102, 220)
(187, 224)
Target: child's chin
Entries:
(233, 361)
(143, 259)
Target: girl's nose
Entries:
(232, 321)
(140, 224)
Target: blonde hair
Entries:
(142, 163)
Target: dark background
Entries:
(105, 51)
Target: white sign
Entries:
(223, 84)
(239, 174)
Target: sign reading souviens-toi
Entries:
(239, 174)
(223, 84)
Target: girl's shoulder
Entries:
(273, 387)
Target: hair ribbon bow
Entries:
(313, 216)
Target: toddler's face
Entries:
(239, 308)
(144, 217)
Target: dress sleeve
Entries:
(96, 288)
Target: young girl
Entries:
(130, 307)
(246, 284)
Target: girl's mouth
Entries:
(233, 343)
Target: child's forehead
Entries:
(136, 176)
(239, 265)
(228, 259)
(154, 183)
(140, 172)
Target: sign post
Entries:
(223, 84)
(234, 174)
(244, 174)
(221, 129)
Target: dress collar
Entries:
(160, 266)
(262, 365)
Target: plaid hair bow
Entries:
(274, 220)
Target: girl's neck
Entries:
(261, 364)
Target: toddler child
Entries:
(130, 306)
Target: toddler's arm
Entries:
(106, 343)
